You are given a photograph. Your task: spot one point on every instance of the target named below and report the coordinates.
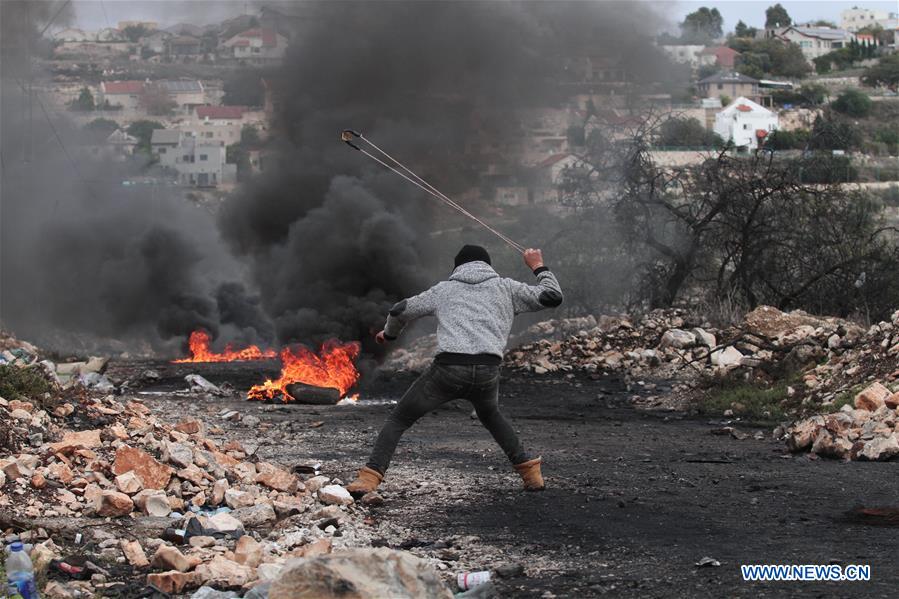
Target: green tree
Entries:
(135, 32)
(830, 134)
(744, 30)
(687, 133)
(787, 140)
(105, 125)
(883, 74)
(249, 135)
(777, 16)
(85, 101)
(854, 103)
(702, 25)
(155, 99)
(143, 131)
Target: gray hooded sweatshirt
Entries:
(475, 308)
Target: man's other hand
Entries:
(533, 258)
(380, 339)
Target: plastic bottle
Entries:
(20, 573)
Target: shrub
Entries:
(853, 102)
(26, 383)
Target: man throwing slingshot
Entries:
(474, 311)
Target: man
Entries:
(474, 311)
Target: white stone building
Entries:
(196, 163)
(855, 18)
(745, 123)
(258, 46)
(815, 41)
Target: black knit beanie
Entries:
(472, 253)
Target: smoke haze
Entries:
(324, 241)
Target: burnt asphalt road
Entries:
(633, 499)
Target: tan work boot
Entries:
(366, 481)
(530, 474)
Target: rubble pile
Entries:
(867, 429)
(415, 356)
(661, 337)
(126, 496)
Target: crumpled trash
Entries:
(708, 562)
(198, 384)
(97, 381)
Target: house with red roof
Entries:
(122, 95)
(720, 56)
(257, 46)
(745, 123)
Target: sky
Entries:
(95, 14)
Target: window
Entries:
(203, 157)
(720, 86)
(745, 126)
(162, 150)
(185, 158)
(805, 44)
(209, 134)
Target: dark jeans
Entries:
(438, 385)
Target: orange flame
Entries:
(333, 367)
(200, 351)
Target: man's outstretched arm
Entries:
(407, 310)
(545, 294)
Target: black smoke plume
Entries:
(324, 241)
(333, 239)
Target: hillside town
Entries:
(201, 283)
(195, 102)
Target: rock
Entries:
(317, 482)
(61, 472)
(20, 415)
(224, 522)
(770, 322)
(224, 572)
(803, 433)
(727, 357)
(178, 454)
(218, 491)
(77, 440)
(128, 483)
(201, 541)
(892, 401)
(371, 573)
(152, 474)
(678, 339)
(189, 426)
(872, 397)
(38, 481)
(317, 547)
(235, 499)
(169, 558)
(334, 494)
(153, 502)
(248, 551)
(257, 515)
(268, 572)
(831, 446)
(704, 338)
(2, 478)
(113, 504)
(205, 592)
(276, 478)
(134, 553)
(880, 448)
(173, 582)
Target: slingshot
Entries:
(347, 136)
